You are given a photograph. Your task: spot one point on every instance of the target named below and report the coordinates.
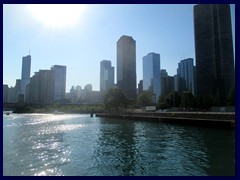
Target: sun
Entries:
(57, 15)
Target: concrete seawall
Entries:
(218, 120)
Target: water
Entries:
(77, 145)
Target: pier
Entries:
(209, 119)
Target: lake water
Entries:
(77, 145)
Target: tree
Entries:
(145, 98)
(115, 99)
(187, 100)
(171, 100)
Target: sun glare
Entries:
(57, 15)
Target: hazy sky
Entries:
(79, 37)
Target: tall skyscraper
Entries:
(106, 76)
(185, 71)
(26, 69)
(151, 74)
(59, 82)
(126, 65)
(214, 50)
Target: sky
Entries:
(80, 36)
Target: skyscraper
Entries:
(106, 76)
(214, 50)
(185, 71)
(151, 74)
(126, 65)
(59, 82)
(26, 69)
(167, 83)
(41, 87)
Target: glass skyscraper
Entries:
(59, 82)
(126, 65)
(214, 50)
(151, 74)
(106, 76)
(185, 71)
(26, 69)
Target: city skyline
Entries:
(81, 47)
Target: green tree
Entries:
(145, 98)
(187, 100)
(170, 100)
(115, 99)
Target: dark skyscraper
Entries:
(126, 65)
(214, 50)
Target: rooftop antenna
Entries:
(29, 51)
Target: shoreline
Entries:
(207, 119)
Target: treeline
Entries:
(116, 99)
(61, 108)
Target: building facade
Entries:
(140, 87)
(186, 71)
(106, 76)
(26, 69)
(151, 74)
(167, 83)
(41, 87)
(214, 50)
(59, 82)
(5, 93)
(126, 66)
(17, 89)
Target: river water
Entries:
(77, 145)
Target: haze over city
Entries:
(88, 34)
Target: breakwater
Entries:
(210, 119)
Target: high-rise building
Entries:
(140, 87)
(126, 65)
(185, 71)
(167, 83)
(214, 50)
(106, 76)
(41, 88)
(17, 88)
(59, 82)
(26, 69)
(151, 74)
(5, 93)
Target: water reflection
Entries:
(140, 148)
(39, 144)
(78, 145)
(117, 153)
